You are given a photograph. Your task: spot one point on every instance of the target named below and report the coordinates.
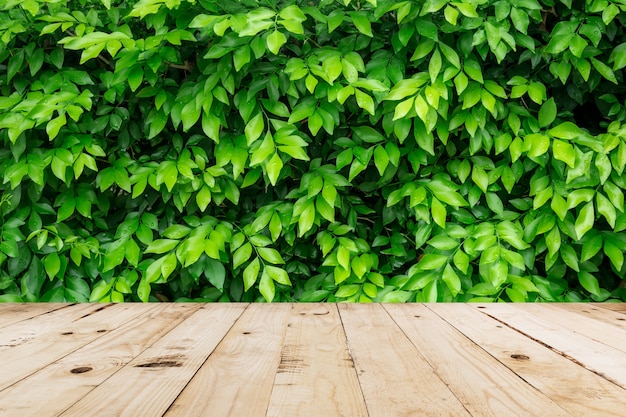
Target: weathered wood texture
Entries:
(290, 360)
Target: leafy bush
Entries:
(293, 150)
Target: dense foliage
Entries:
(329, 150)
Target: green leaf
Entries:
(270, 255)
(480, 178)
(275, 41)
(215, 272)
(273, 168)
(547, 113)
(250, 273)
(54, 126)
(452, 280)
(432, 261)
(537, 92)
(266, 286)
(364, 101)
(618, 57)
(52, 264)
(591, 246)
(466, 9)
(167, 174)
(604, 70)
(241, 255)
(368, 134)
(346, 291)
(566, 130)
(569, 257)
(615, 254)
(564, 151)
(161, 246)
(278, 274)
(254, 128)
(362, 23)
(589, 283)
(606, 209)
(381, 159)
(434, 65)
(307, 217)
(585, 220)
(335, 18)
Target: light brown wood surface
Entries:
(569, 341)
(318, 360)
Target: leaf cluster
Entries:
(288, 150)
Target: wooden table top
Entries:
(322, 360)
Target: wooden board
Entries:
(76, 374)
(237, 379)
(545, 370)
(539, 325)
(395, 378)
(23, 331)
(14, 313)
(483, 385)
(151, 382)
(316, 371)
(596, 312)
(55, 335)
(291, 360)
(621, 307)
(598, 330)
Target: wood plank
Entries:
(619, 307)
(607, 316)
(604, 360)
(594, 329)
(24, 331)
(69, 379)
(579, 391)
(482, 384)
(69, 330)
(13, 313)
(316, 371)
(395, 378)
(149, 384)
(236, 380)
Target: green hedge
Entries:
(312, 150)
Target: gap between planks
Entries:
(595, 356)
(546, 370)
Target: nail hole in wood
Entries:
(81, 369)
(520, 357)
(160, 364)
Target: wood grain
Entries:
(237, 379)
(591, 354)
(620, 307)
(578, 391)
(149, 384)
(81, 371)
(291, 360)
(395, 378)
(596, 312)
(55, 335)
(13, 313)
(316, 371)
(483, 385)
